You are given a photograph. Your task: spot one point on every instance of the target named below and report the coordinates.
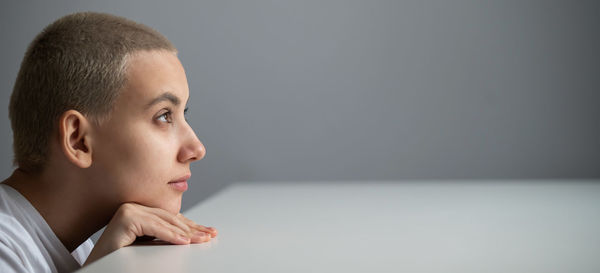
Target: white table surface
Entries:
(424, 226)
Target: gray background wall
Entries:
(367, 90)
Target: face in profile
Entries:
(146, 145)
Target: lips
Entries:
(180, 184)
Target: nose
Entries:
(192, 149)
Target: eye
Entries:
(165, 117)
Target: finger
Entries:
(167, 233)
(195, 235)
(210, 230)
(200, 237)
(214, 231)
(192, 224)
(173, 219)
(206, 235)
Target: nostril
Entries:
(193, 152)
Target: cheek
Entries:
(147, 164)
(140, 166)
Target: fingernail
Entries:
(184, 238)
(200, 234)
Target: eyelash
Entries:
(168, 116)
(165, 117)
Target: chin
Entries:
(173, 206)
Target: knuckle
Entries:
(135, 228)
(127, 206)
(156, 225)
(173, 234)
(125, 210)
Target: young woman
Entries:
(100, 139)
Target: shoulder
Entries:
(12, 223)
(12, 231)
(18, 250)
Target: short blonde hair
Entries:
(77, 62)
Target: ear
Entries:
(75, 138)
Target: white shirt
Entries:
(28, 244)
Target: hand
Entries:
(133, 220)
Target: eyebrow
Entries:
(167, 96)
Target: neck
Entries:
(66, 202)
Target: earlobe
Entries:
(75, 138)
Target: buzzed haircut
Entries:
(78, 62)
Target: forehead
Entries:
(152, 73)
